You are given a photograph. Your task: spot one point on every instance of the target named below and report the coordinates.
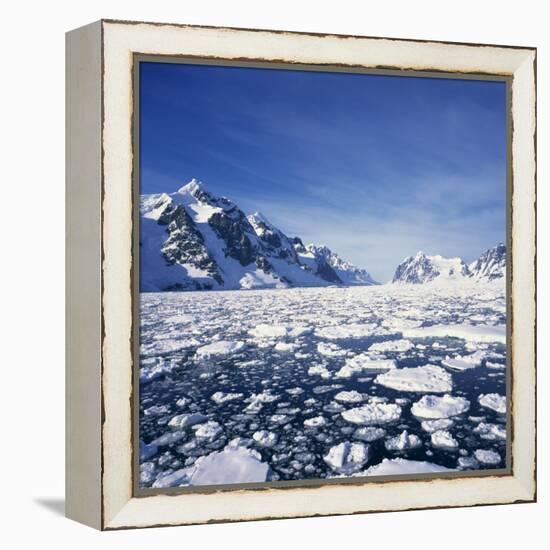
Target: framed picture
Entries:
(300, 274)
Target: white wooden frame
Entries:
(99, 267)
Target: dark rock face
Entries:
(491, 264)
(185, 245)
(232, 231)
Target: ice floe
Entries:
(490, 431)
(487, 456)
(464, 362)
(402, 442)
(472, 333)
(220, 397)
(392, 346)
(443, 439)
(221, 347)
(350, 397)
(493, 401)
(315, 422)
(373, 414)
(265, 438)
(428, 378)
(435, 425)
(432, 406)
(369, 433)
(184, 420)
(401, 466)
(363, 362)
(347, 458)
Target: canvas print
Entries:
(322, 275)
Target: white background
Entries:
(32, 252)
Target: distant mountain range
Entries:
(419, 269)
(194, 240)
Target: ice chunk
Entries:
(373, 414)
(221, 347)
(146, 451)
(349, 397)
(369, 433)
(347, 458)
(402, 442)
(331, 350)
(493, 401)
(428, 378)
(268, 331)
(315, 422)
(354, 330)
(400, 466)
(265, 438)
(319, 370)
(221, 397)
(490, 432)
(432, 406)
(485, 456)
(361, 362)
(468, 463)
(471, 333)
(465, 362)
(184, 420)
(209, 430)
(285, 347)
(392, 345)
(435, 425)
(444, 440)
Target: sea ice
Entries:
(392, 345)
(493, 401)
(354, 330)
(464, 362)
(402, 442)
(373, 414)
(221, 347)
(319, 370)
(485, 456)
(347, 458)
(428, 378)
(361, 362)
(268, 331)
(400, 466)
(444, 440)
(435, 425)
(265, 438)
(315, 422)
(432, 406)
(490, 432)
(209, 430)
(184, 420)
(369, 433)
(471, 333)
(221, 397)
(349, 397)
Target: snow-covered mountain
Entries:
(420, 269)
(193, 240)
(490, 265)
(423, 269)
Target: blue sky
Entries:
(375, 167)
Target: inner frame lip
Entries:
(275, 64)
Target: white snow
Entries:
(493, 401)
(347, 458)
(471, 333)
(402, 442)
(444, 440)
(373, 414)
(432, 406)
(221, 347)
(428, 378)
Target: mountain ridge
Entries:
(193, 240)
